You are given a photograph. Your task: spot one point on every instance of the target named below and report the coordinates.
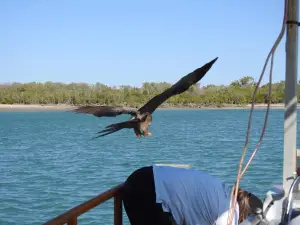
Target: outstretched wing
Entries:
(181, 86)
(118, 126)
(108, 111)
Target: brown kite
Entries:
(141, 118)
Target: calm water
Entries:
(48, 162)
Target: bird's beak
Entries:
(149, 134)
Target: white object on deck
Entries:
(186, 166)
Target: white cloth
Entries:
(192, 197)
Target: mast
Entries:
(290, 114)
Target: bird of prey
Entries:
(141, 118)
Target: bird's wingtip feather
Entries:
(214, 60)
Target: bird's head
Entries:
(144, 124)
(148, 118)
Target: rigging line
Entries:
(266, 118)
(239, 176)
(270, 89)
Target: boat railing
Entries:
(71, 216)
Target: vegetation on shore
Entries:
(237, 93)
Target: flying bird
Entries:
(141, 118)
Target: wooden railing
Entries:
(71, 216)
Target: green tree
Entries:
(239, 92)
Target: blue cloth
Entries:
(192, 197)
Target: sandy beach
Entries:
(40, 108)
(33, 108)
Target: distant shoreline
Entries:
(40, 108)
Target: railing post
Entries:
(71, 216)
(118, 217)
(73, 221)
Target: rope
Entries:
(240, 174)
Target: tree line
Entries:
(239, 92)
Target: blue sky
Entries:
(131, 42)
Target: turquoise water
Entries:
(48, 162)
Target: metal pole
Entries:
(290, 114)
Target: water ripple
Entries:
(49, 163)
